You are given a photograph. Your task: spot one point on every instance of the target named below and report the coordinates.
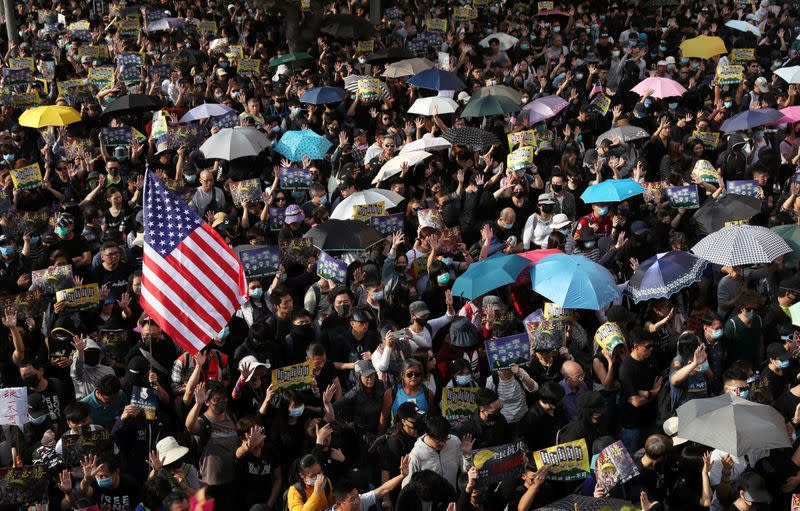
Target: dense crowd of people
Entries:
(168, 429)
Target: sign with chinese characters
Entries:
(13, 406)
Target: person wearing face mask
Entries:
(461, 371)
(104, 482)
(487, 425)
(73, 244)
(716, 348)
(776, 313)
(313, 491)
(14, 272)
(52, 391)
(689, 372)
(744, 330)
(254, 309)
(777, 370)
(599, 221)
(213, 365)
(87, 369)
(539, 225)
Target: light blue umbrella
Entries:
(489, 274)
(612, 190)
(573, 282)
(294, 145)
(205, 111)
(323, 95)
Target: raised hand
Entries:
(200, 393)
(154, 461)
(10, 317)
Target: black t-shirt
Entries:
(117, 280)
(74, 247)
(56, 397)
(653, 481)
(124, 497)
(254, 475)
(635, 376)
(396, 447)
(786, 404)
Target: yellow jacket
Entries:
(312, 502)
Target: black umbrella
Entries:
(183, 58)
(347, 26)
(343, 236)
(476, 138)
(585, 504)
(726, 210)
(661, 3)
(389, 55)
(131, 103)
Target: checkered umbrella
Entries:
(665, 274)
(624, 133)
(570, 502)
(741, 245)
(475, 138)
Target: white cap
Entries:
(671, 429)
(560, 221)
(661, 63)
(254, 364)
(282, 70)
(670, 60)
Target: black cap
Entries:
(360, 315)
(792, 285)
(408, 410)
(591, 400)
(620, 314)
(755, 488)
(587, 234)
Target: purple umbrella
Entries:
(205, 111)
(542, 109)
(750, 119)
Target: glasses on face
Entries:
(413, 374)
(415, 210)
(388, 145)
(278, 199)
(580, 377)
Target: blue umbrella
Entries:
(205, 111)
(294, 145)
(573, 282)
(437, 79)
(665, 274)
(612, 190)
(750, 119)
(489, 274)
(323, 95)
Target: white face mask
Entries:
(615, 54)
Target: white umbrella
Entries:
(407, 67)
(427, 143)
(790, 74)
(741, 245)
(433, 105)
(231, 143)
(743, 26)
(506, 41)
(394, 166)
(344, 210)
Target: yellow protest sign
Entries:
(364, 212)
(464, 13)
(369, 87)
(78, 25)
(437, 25)
(567, 462)
(609, 336)
(80, 297)
(709, 139)
(521, 139)
(22, 63)
(727, 75)
(742, 55)
(544, 6)
(249, 67)
(601, 103)
(365, 46)
(705, 171)
(298, 377)
(521, 158)
(27, 177)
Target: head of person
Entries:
(489, 405)
(216, 397)
(658, 447)
(309, 469)
(31, 371)
(550, 396)
(437, 432)
(281, 300)
(342, 301)
(753, 491)
(777, 357)
(734, 381)
(789, 292)
(412, 373)
(176, 502)
(149, 329)
(366, 373)
(302, 327)
(154, 490)
(419, 313)
(110, 255)
(78, 415)
(206, 181)
(712, 327)
(461, 371)
(317, 356)
(107, 389)
(573, 374)
(108, 471)
(346, 496)
(409, 418)
(746, 305)
(687, 344)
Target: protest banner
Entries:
(705, 171)
(437, 25)
(504, 352)
(298, 250)
(235, 52)
(52, 279)
(101, 76)
(74, 147)
(449, 240)
(76, 446)
(544, 6)
(458, 403)
(758, 387)
(21, 486)
(615, 466)
(388, 224)
(683, 196)
(292, 178)
(27, 177)
(521, 158)
(21, 63)
(259, 261)
(159, 72)
(553, 312)
(365, 46)
(519, 139)
(729, 75)
(430, 218)
(500, 463)
(28, 304)
(248, 190)
(26, 99)
(609, 336)
(369, 88)
(248, 67)
(13, 406)
(114, 343)
(464, 13)
(710, 139)
(746, 187)
(480, 4)
(295, 377)
(742, 55)
(19, 76)
(120, 135)
(79, 298)
(545, 335)
(145, 398)
(78, 25)
(328, 267)
(207, 27)
(363, 212)
(276, 217)
(601, 103)
(229, 120)
(129, 27)
(567, 462)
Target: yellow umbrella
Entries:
(49, 115)
(703, 47)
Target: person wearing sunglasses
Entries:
(744, 330)
(408, 388)
(640, 384)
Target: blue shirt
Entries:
(570, 401)
(105, 415)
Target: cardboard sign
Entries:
(553, 312)
(364, 212)
(567, 462)
(229, 120)
(369, 88)
(431, 218)
(27, 177)
(28, 304)
(276, 217)
(522, 158)
(521, 139)
(74, 147)
(22, 62)
(437, 25)
(615, 466)
(464, 13)
(129, 27)
(53, 279)
(746, 187)
(101, 76)
(260, 261)
(248, 67)
(75, 447)
(742, 55)
(496, 464)
(710, 140)
(504, 352)
(114, 343)
(759, 391)
(683, 196)
(601, 103)
(365, 46)
(296, 377)
(449, 240)
(207, 27)
(79, 298)
(120, 135)
(159, 71)
(13, 406)
(292, 178)
(729, 75)
(705, 171)
(24, 485)
(545, 335)
(145, 398)
(17, 76)
(388, 224)
(544, 6)
(609, 336)
(458, 403)
(330, 268)
(93, 52)
(248, 190)
(297, 250)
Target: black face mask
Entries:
(557, 188)
(520, 194)
(400, 268)
(302, 332)
(547, 208)
(421, 322)
(91, 357)
(31, 381)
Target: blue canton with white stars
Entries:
(167, 219)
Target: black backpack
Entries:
(664, 400)
(302, 491)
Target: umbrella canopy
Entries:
(665, 274)
(552, 12)
(343, 236)
(389, 55)
(703, 47)
(323, 95)
(481, 106)
(395, 165)
(612, 190)
(435, 105)
(743, 26)
(49, 115)
(534, 256)
(499, 90)
(790, 114)
(732, 424)
(231, 143)
(790, 74)
(347, 26)
(740, 245)
(475, 138)
(130, 104)
(345, 211)
(572, 502)
(489, 274)
(717, 213)
(506, 41)
(750, 119)
(427, 143)
(623, 133)
(205, 111)
(408, 67)
(791, 235)
(164, 24)
(436, 79)
(574, 282)
(294, 145)
(661, 87)
(543, 108)
(291, 59)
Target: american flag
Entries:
(595, 89)
(192, 283)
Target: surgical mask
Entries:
(443, 279)
(684, 60)
(218, 96)
(256, 293)
(716, 334)
(508, 226)
(38, 420)
(784, 364)
(297, 412)
(8, 157)
(672, 106)
(758, 134)
(744, 394)
(6, 251)
(579, 76)
(603, 211)
(224, 332)
(615, 53)
(648, 103)
(62, 231)
(703, 367)
(695, 65)
(223, 65)
(728, 104)
(377, 295)
(662, 48)
(556, 29)
(589, 244)
(34, 240)
(235, 94)
(298, 196)
(749, 314)
(362, 60)
(463, 379)
(107, 482)
(447, 261)
(524, 47)
(190, 178)
(296, 111)
(220, 407)
(631, 43)
(275, 129)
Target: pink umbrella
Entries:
(661, 87)
(790, 114)
(534, 256)
(543, 108)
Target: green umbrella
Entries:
(482, 106)
(291, 59)
(791, 235)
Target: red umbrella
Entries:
(534, 256)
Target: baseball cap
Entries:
(364, 368)
(419, 309)
(792, 285)
(639, 227)
(545, 198)
(776, 350)
(670, 60)
(346, 182)
(755, 488)
(408, 411)
(661, 63)
(762, 84)
(294, 214)
(671, 430)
